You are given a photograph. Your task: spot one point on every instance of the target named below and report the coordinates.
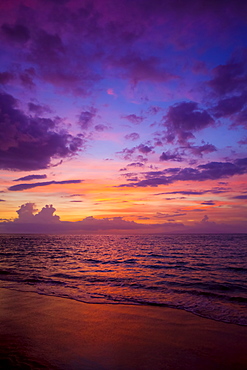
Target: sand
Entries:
(41, 332)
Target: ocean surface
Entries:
(203, 274)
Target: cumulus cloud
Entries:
(21, 187)
(168, 156)
(28, 143)
(229, 85)
(86, 118)
(230, 78)
(100, 127)
(144, 149)
(135, 164)
(201, 149)
(133, 136)
(183, 119)
(30, 220)
(133, 118)
(26, 214)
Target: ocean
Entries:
(202, 274)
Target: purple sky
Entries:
(123, 115)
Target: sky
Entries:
(125, 115)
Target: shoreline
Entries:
(58, 333)
(146, 304)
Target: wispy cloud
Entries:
(21, 187)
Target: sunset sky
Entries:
(121, 113)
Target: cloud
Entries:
(230, 78)
(135, 164)
(209, 203)
(30, 220)
(244, 196)
(38, 109)
(201, 149)
(21, 187)
(133, 136)
(31, 177)
(243, 141)
(167, 215)
(28, 143)
(133, 118)
(16, 33)
(139, 68)
(86, 118)
(183, 119)
(5, 77)
(229, 85)
(100, 127)
(209, 171)
(144, 149)
(215, 190)
(168, 156)
(229, 106)
(26, 214)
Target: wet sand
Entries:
(40, 332)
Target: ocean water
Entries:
(203, 274)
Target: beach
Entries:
(44, 332)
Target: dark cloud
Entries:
(167, 215)
(28, 143)
(38, 109)
(168, 156)
(209, 171)
(133, 136)
(153, 110)
(244, 196)
(86, 118)
(6, 77)
(31, 177)
(229, 85)
(201, 149)
(215, 190)
(127, 153)
(17, 33)
(209, 203)
(21, 187)
(135, 164)
(100, 127)
(145, 149)
(137, 68)
(240, 119)
(133, 118)
(229, 106)
(230, 78)
(183, 119)
(27, 78)
(2, 200)
(243, 141)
